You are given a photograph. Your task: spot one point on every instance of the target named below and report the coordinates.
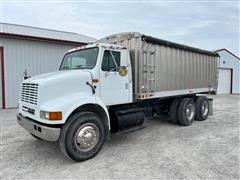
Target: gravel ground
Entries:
(204, 150)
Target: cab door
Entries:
(114, 88)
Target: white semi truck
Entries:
(112, 86)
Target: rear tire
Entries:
(186, 111)
(173, 112)
(202, 108)
(82, 137)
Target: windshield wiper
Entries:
(66, 67)
(75, 67)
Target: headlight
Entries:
(53, 116)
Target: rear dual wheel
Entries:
(173, 112)
(186, 111)
(202, 108)
(183, 111)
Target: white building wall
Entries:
(227, 60)
(36, 57)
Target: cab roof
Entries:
(104, 45)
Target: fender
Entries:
(67, 104)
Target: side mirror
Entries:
(114, 69)
(122, 71)
(25, 75)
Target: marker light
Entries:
(53, 116)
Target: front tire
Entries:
(82, 137)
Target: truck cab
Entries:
(90, 79)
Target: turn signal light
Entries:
(95, 80)
(55, 116)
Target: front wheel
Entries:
(82, 136)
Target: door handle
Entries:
(107, 74)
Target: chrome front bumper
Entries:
(42, 131)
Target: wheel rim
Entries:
(204, 108)
(87, 137)
(190, 111)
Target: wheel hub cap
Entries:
(204, 108)
(87, 137)
(190, 112)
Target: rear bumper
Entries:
(42, 131)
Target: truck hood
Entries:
(44, 78)
(61, 84)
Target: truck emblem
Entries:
(123, 71)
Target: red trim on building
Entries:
(43, 39)
(3, 79)
(231, 87)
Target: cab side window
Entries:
(108, 62)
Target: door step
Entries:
(126, 131)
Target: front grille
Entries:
(29, 93)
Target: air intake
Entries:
(29, 93)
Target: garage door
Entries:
(224, 81)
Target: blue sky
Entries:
(203, 24)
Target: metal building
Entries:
(229, 73)
(33, 49)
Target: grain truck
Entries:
(112, 86)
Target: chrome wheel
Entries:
(87, 137)
(204, 108)
(190, 111)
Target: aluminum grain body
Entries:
(165, 67)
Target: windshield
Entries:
(82, 59)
